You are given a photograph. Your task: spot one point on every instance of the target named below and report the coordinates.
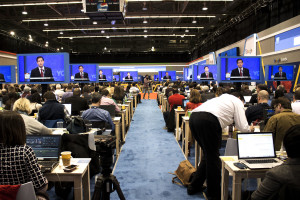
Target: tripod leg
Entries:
(98, 189)
(117, 187)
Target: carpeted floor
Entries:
(150, 152)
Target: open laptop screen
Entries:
(69, 108)
(247, 98)
(184, 102)
(44, 146)
(255, 145)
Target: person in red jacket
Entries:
(195, 100)
(175, 99)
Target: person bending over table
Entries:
(18, 162)
(283, 181)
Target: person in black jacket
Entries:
(52, 110)
(81, 75)
(206, 74)
(240, 73)
(256, 112)
(78, 103)
(280, 74)
(2, 79)
(102, 77)
(41, 73)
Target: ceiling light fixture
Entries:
(47, 42)
(204, 7)
(107, 37)
(24, 12)
(102, 31)
(94, 22)
(113, 22)
(71, 38)
(61, 48)
(145, 22)
(169, 16)
(46, 24)
(46, 45)
(61, 32)
(194, 21)
(145, 31)
(30, 39)
(57, 49)
(117, 36)
(187, 30)
(105, 48)
(56, 19)
(12, 33)
(145, 36)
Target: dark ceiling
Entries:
(170, 27)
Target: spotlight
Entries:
(204, 8)
(113, 22)
(24, 12)
(144, 9)
(182, 36)
(57, 49)
(12, 33)
(47, 42)
(105, 48)
(95, 23)
(61, 32)
(145, 36)
(61, 48)
(152, 48)
(145, 31)
(187, 30)
(71, 38)
(46, 24)
(30, 39)
(107, 37)
(145, 22)
(102, 31)
(194, 21)
(46, 45)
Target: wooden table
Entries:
(131, 106)
(185, 136)
(135, 100)
(123, 113)
(80, 177)
(238, 175)
(164, 104)
(116, 122)
(129, 110)
(177, 117)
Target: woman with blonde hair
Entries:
(33, 127)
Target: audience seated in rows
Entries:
(283, 181)
(18, 162)
(106, 100)
(78, 103)
(175, 99)
(33, 127)
(67, 94)
(58, 92)
(296, 102)
(119, 94)
(135, 90)
(283, 119)
(35, 101)
(86, 94)
(95, 113)
(259, 88)
(9, 99)
(52, 109)
(256, 112)
(26, 92)
(206, 95)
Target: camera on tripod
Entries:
(106, 183)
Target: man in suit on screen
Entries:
(206, 74)
(128, 77)
(280, 74)
(167, 76)
(2, 79)
(114, 78)
(41, 73)
(240, 73)
(81, 75)
(102, 77)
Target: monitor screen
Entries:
(240, 69)
(288, 39)
(83, 73)
(188, 73)
(105, 75)
(167, 75)
(43, 68)
(156, 78)
(207, 73)
(280, 72)
(116, 78)
(129, 76)
(7, 74)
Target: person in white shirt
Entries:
(135, 90)
(58, 92)
(296, 102)
(206, 123)
(106, 100)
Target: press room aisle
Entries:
(150, 152)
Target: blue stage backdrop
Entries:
(227, 64)
(161, 75)
(156, 78)
(134, 75)
(117, 77)
(273, 69)
(57, 62)
(108, 73)
(8, 72)
(91, 69)
(187, 73)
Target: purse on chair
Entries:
(184, 173)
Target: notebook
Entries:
(256, 150)
(46, 149)
(184, 102)
(69, 108)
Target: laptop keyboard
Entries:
(261, 161)
(47, 163)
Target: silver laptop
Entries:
(46, 148)
(256, 150)
(69, 108)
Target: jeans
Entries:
(146, 90)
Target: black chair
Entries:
(110, 108)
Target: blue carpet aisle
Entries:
(150, 152)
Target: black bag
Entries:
(76, 126)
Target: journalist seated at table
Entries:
(18, 162)
(52, 110)
(283, 182)
(78, 103)
(33, 127)
(97, 114)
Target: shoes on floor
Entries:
(193, 190)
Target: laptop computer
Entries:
(184, 102)
(256, 150)
(46, 149)
(69, 108)
(247, 98)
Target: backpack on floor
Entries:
(184, 173)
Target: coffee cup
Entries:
(66, 158)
